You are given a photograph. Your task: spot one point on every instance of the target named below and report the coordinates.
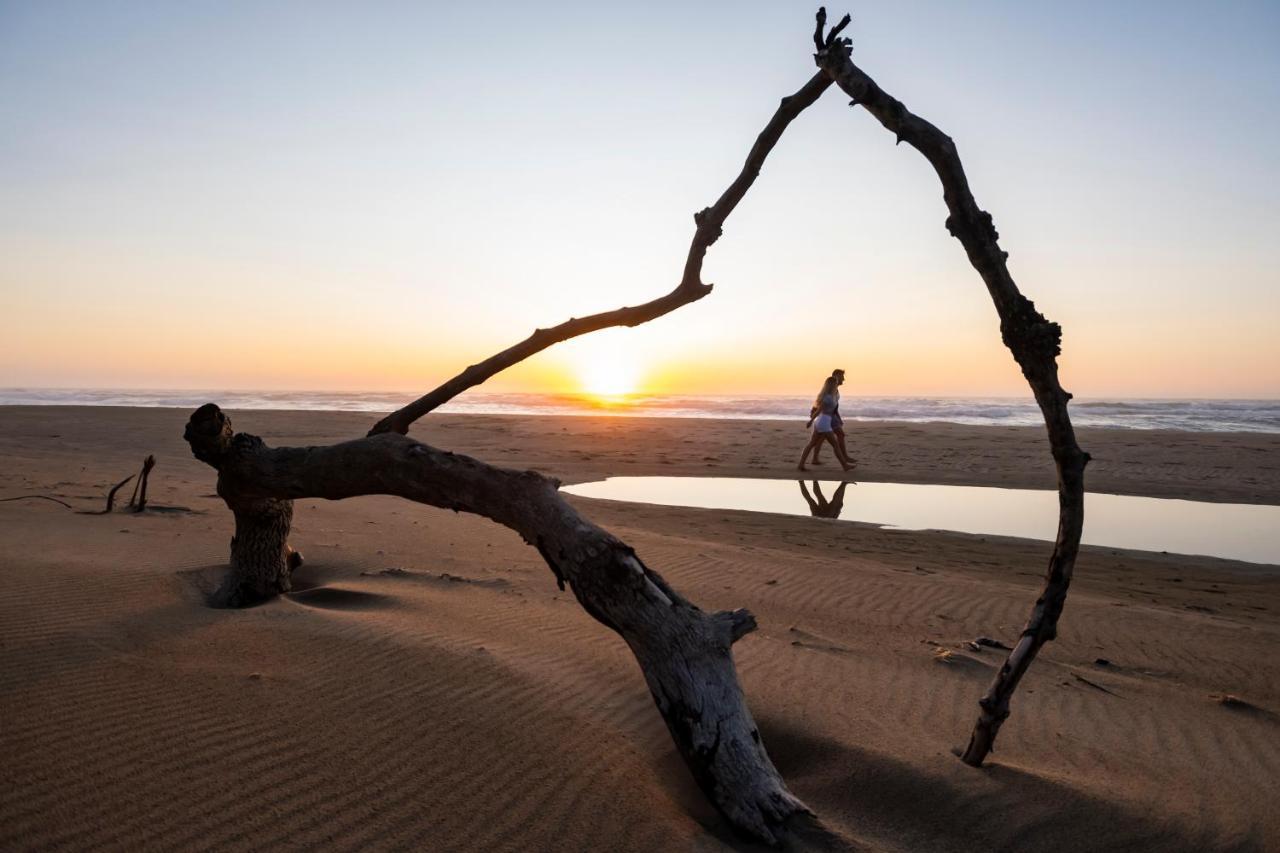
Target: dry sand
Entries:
(462, 702)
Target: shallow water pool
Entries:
(1231, 531)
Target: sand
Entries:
(429, 688)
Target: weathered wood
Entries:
(683, 652)
(262, 562)
(111, 497)
(709, 225)
(1033, 340)
(138, 500)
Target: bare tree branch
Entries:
(1033, 340)
(709, 222)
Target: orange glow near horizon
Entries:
(160, 230)
(609, 376)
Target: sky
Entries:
(372, 196)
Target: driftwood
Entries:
(683, 652)
(138, 500)
(111, 496)
(1033, 340)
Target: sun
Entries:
(607, 374)
(606, 367)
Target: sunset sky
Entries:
(371, 196)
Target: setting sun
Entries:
(606, 366)
(609, 374)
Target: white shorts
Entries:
(822, 423)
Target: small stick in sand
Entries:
(1094, 685)
(111, 495)
(140, 488)
(36, 498)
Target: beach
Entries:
(427, 686)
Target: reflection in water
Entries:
(819, 506)
(1232, 531)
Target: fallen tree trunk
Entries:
(1033, 340)
(683, 652)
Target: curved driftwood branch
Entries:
(111, 498)
(709, 222)
(1033, 340)
(683, 652)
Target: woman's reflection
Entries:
(821, 507)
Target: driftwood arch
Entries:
(684, 653)
(1034, 341)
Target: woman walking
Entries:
(837, 422)
(821, 418)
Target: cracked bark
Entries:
(684, 653)
(1033, 340)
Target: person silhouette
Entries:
(837, 422)
(822, 417)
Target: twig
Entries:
(140, 488)
(111, 498)
(36, 498)
(1093, 684)
(111, 495)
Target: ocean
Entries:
(1188, 415)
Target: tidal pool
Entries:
(1232, 531)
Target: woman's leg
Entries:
(835, 448)
(814, 441)
(840, 437)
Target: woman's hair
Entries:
(828, 387)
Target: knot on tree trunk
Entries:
(976, 226)
(1034, 340)
(209, 433)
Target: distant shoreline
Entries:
(1227, 467)
(1189, 415)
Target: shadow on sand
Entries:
(870, 798)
